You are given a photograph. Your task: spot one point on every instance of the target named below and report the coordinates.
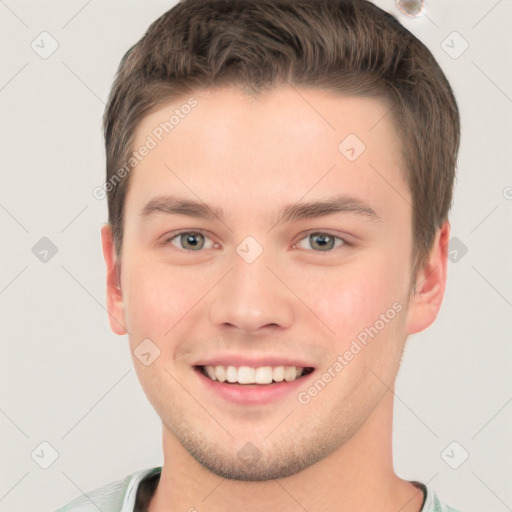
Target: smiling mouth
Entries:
(263, 375)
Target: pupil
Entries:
(323, 240)
(189, 238)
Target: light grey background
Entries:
(68, 381)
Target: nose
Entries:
(252, 297)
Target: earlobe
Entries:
(115, 305)
(430, 284)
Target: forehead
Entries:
(292, 112)
(283, 144)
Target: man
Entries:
(279, 175)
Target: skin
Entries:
(251, 156)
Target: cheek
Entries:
(160, 296)
(352, 298)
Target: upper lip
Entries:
(254, 362)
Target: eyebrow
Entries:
(175, 205)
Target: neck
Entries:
(357, 476)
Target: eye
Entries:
(322, 241)
(192, 241)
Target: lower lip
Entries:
(253, 394)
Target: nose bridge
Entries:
(251, 296)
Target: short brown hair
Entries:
(346, 46)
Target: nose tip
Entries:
(251, 298)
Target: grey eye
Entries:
(191, 241)
(322, 242)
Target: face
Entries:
(255, 277)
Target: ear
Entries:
(430, 283)
(115, 306)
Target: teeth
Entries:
(245, 375)
(290, 372)
(231, 373)
(278, 373)
(263, 375)
(210, 370)
(220, 373)
(248, 375)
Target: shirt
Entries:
(133, 494)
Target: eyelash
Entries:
(345, 243)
